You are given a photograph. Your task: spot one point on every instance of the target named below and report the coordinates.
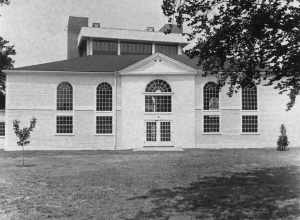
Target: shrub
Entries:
(23, 134)
(282, 142)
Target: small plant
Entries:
(23, 134)
(282, 142)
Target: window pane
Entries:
(105, 47)
(249, 97)
(211, 96)
(104, 97)
(211, 123)
(64, 97)
(149, 103)
(104, 124)
(158, 103)
(249, 123)
(2, 128)
(165, 131)
(151, 131)
(166, 49)
(163, 104)
(135, 48)
(64, 124)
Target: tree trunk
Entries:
(22, 155)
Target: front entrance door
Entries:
(158, 133)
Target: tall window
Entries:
(64, 102)
(249, 97)
(211, 96)
(104, 97)
(2, 129)
(104, 121)
(158, 96)
(211, 123)
(249, 103)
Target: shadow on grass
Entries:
(26, 165)
(260, 194)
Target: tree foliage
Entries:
(6, 51)
(23, 134)
(244, 41)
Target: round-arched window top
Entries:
(211, 96)
(158, 85)
(249, 97)
(104, 97)
(64, 96)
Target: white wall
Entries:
(134, 116)
(34, 94)
(271, 114)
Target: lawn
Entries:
(194, 184)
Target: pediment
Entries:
(158, 64)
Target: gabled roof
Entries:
(100, 63)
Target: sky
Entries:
(38, 28)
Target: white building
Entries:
(130, 89)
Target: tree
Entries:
(244, 41)
(6, 51)
(23, 134)
(282, 142)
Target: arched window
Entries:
(249, 97)
(158, 85)
(104, 97)
(211, 96)
(64, 101)
(162, 100)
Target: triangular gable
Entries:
(158, 64)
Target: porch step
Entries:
(158, 148)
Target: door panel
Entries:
(158, 133)
(165, 131)
(151, 131)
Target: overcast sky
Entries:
(37, 28)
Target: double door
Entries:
(158, 133)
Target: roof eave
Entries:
(57, 71)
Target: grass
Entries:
(194, 184)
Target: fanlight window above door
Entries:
(158, 85)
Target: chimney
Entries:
(171, 28)
(74, 26)
(96, 25)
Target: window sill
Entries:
(212, 110)
(158, 113)
(250, 133)
(64, 134)
(211, 133)
(103, 134)
(2, 137)
(243, 110)
(104, 112)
